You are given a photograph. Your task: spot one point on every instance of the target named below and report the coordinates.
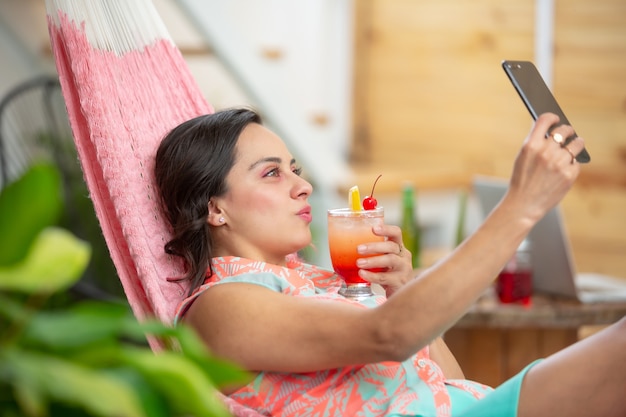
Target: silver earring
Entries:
(221, 220)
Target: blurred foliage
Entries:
(89, 358)
(79, 217)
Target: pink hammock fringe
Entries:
(120, 107)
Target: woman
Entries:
(238, 207)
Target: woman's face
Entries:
(265, 210)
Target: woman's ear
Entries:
(215, 217)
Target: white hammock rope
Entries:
(119, 26)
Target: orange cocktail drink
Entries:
(346, 230)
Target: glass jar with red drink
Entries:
(515, 282)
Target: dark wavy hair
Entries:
(191, 166)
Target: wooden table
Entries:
(494, 341)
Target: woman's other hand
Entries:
(390, 255)
(544, 169)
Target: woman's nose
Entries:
(302, 187)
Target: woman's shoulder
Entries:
(297, 278)
(295, 274)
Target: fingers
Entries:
(572, 145)
(390, 256)
(549, 142)
(392, 244)
(573, 160)
(560, 140)
(391, 280)
(564, 136)
(383, 254)
(545, 168)
(543, 125)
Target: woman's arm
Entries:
(264, 330)
(440, 353)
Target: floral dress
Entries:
(415, 387)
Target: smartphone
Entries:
(536, 95)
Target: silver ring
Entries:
(558, 138)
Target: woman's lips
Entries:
(305, 214)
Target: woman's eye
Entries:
(275, 172)
(272, 172)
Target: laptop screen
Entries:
(553, 266)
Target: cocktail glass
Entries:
(346, 230)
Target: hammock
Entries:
(126, 85)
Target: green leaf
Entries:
(27, 206)
(31, 400)
(12, 310)
(188, 389)
(460, 223)
(153, 403)
(78, 326)
(42, 377)
(223, 373)
(54, 261)
(137, 331)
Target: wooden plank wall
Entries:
(433, 106)
(493, 355)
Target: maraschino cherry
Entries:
(369, 202)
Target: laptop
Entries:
(554, 272)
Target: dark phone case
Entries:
(536, 95)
